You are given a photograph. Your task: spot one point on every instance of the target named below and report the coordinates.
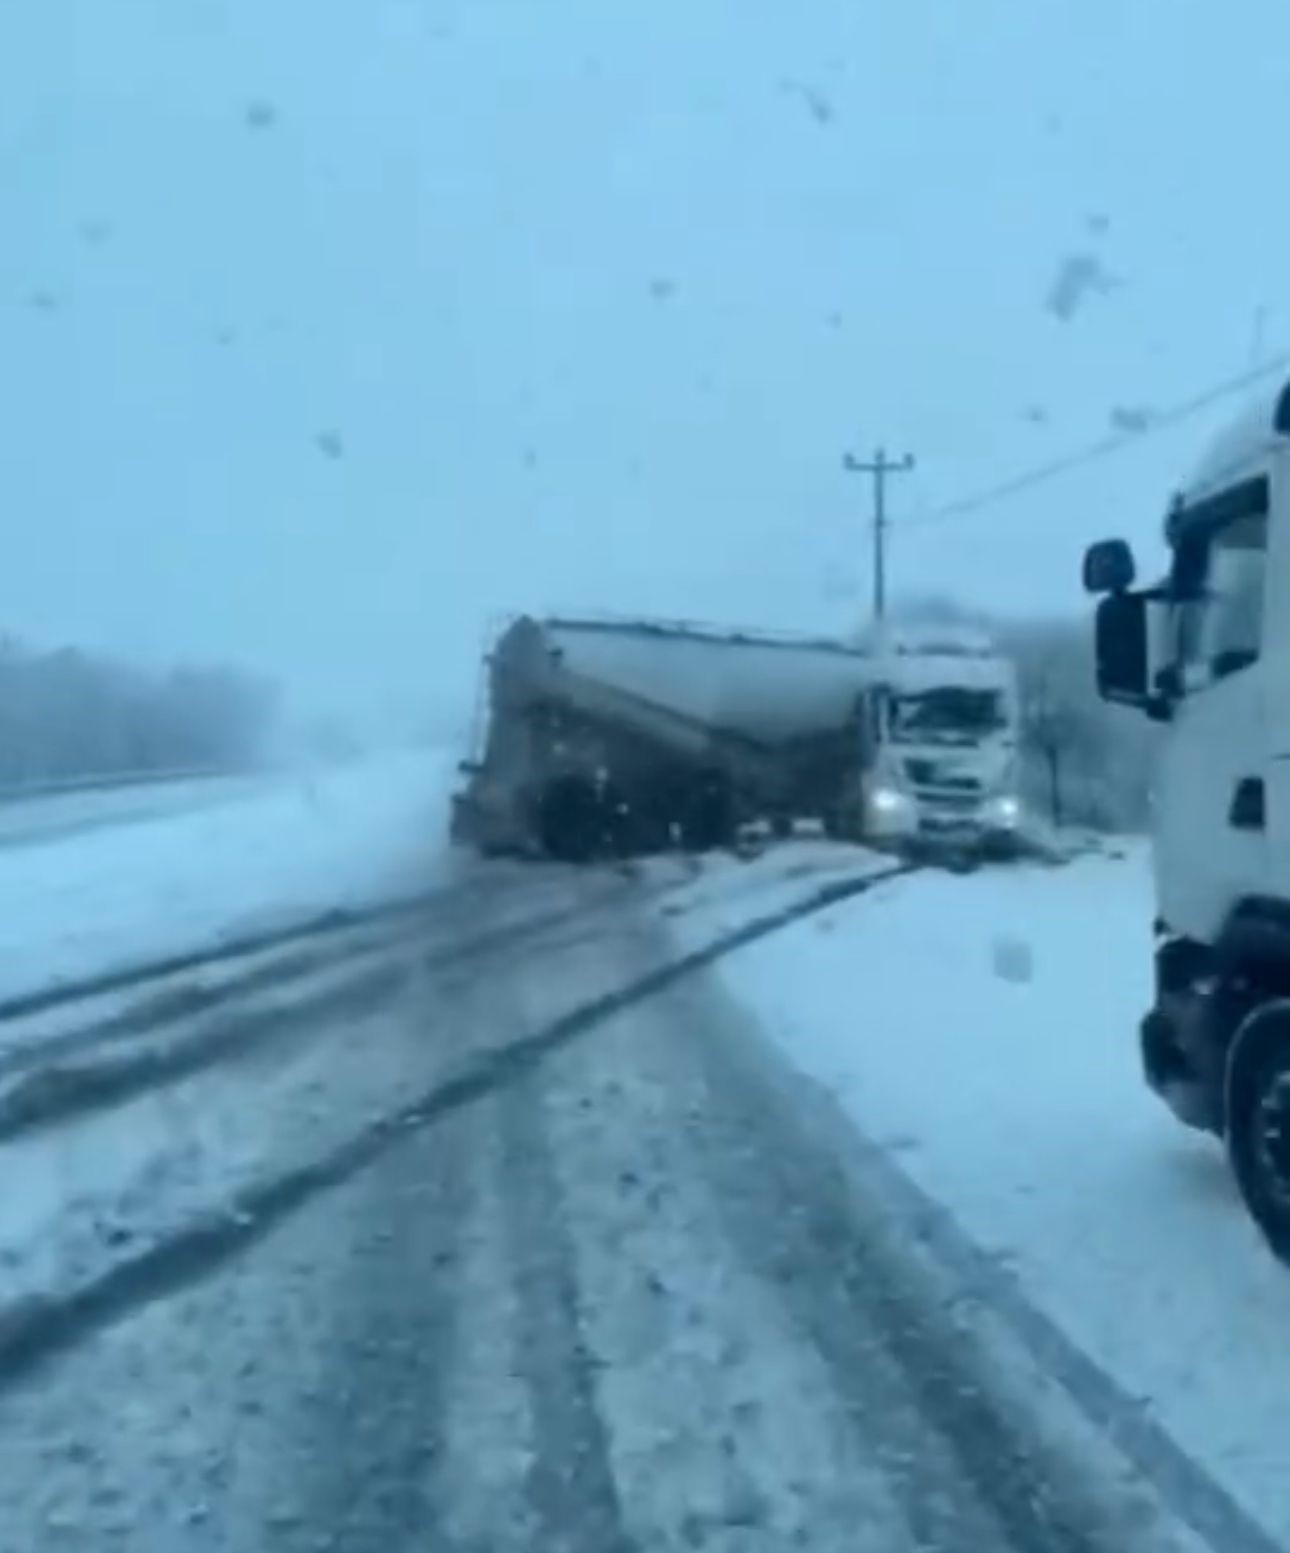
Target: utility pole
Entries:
(880, 467)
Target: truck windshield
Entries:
(949, 714)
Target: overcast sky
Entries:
(330, 329)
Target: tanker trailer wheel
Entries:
(572, 821)
(639, 824)
(708, 817)
(1258, 1120)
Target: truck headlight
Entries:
(886, 800)
(1004, 812)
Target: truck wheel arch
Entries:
(1254, 944)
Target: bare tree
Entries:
(1089, 763)
(1050, 725)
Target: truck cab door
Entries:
(1211, 794)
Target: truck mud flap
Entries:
(1169, 1072)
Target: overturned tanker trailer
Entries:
(614, 738)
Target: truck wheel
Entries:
(641, 828)
(1258, 1120)
(572, 821)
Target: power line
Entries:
(1104, 447)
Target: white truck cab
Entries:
(1206, 652)
(944, 763)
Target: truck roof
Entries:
(913, 674)
(1244, 446)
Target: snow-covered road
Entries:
(234, 858)
(501, 1226)
(980, 1032)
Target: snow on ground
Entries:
(982, 1029)
(268, 1084)
(137, 1173)
(83, 903)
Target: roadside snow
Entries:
(982, 1030)
(80, 904)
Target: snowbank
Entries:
(82, 903)
(982, 1029)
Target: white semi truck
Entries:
(1206, 652)
(618, 737)
(945, 759)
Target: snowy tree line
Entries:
(66, 714)
(1082, 762)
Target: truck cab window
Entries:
(1220, 627)
(946, 714)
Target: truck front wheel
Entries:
(1258, 1120)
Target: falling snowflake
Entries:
(1080, 276)
(1130, 419)
(817, 104)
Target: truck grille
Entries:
(932, 776)
(958, 805)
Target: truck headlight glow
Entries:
(1005, 810)
(886, 800)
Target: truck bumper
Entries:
(966, 839)
(1183, 1053)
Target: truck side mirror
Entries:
(1123, 658)
(1109, 567)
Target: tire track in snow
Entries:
(571, 1484)
(899, 1364)
(726, 1431)
(1198, 1496)
(188, 1000)
(50, 1090)
(457, 897)
(859, 1233)
(373, 1434)
(37, 1329)
(62, 1092)
(123, 979)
